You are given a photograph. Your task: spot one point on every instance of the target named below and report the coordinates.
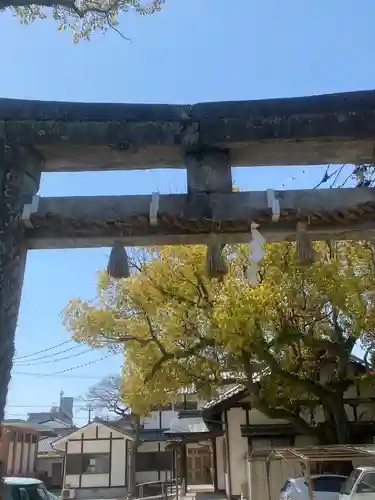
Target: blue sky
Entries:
(195, 50)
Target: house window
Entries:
(87, 464)
(156, 460)
(95, 464)
(73, 464)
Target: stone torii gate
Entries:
(207, 140)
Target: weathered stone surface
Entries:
(337, 128)
(19, 181)
(75, 222)
(27, 110)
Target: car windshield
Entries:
(327, 483)
(347, 486)
(29, 492)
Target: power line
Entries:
(54, 374)
(43, 350)
(48, 375)
(83, 365)
(48, 355)
(56, 360)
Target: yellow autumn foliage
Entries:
(180, 329)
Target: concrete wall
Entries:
(44, 465)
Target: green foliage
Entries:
(82, 17)
(288, 338)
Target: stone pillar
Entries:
(20, 171)
(208, 172)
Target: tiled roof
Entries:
(185, 426)
(25, 425)
(237, 391)
(228, 377)
(55, 423)
(121, 424)
(45, 445)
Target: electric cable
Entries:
(20, 363)
(67, 369)
(56, 360)
(43, 350)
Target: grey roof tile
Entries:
(45, 445)
(237, 390)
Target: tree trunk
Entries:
(19, 181)
(337, 431)
(132, 486)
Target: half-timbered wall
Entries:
(96, 457)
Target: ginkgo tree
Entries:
(82, 17)
(288, 339)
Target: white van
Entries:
(360, 485)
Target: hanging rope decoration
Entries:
(118, 264)
(305, 252)
(256, 254)
(216, 266)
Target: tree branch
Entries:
(260, 404)
(183, 354)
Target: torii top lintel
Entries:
(335, 128)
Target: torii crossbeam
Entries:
(206, 139)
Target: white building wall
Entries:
(17, 458)
(237, 450)
(24, 464)
(44, 464)
(73, 447)
(92, 445)
(32, 456)
(94, 480)
(118, 463)
(98, 446)
(166, 417)
(258, 418)
(10, 457)
(71, 481)
(220, 443)
(148, 447)
(152, 421)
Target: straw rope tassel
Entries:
(118, 264)
(304, 250)
(216, 267)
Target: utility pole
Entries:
(89, 409)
